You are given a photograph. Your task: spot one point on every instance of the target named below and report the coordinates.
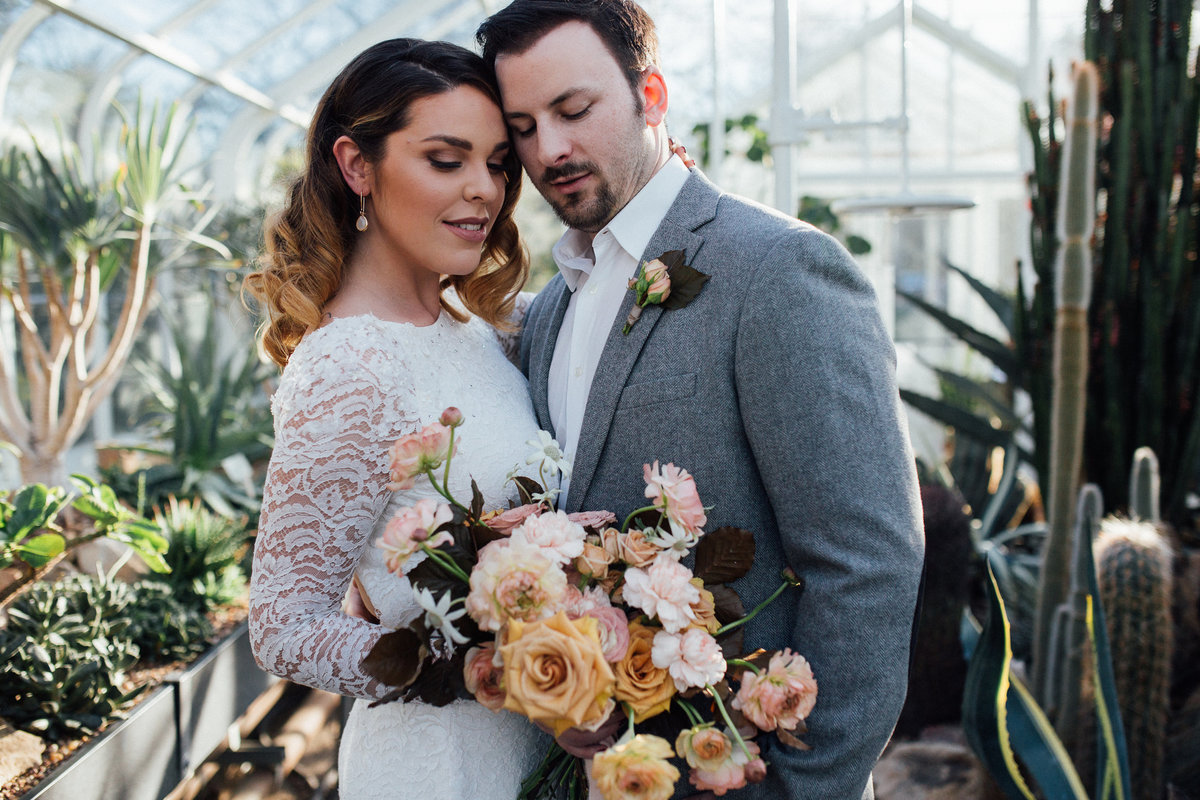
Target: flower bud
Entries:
(451, 417)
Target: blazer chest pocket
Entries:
(658, 390)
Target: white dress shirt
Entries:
(597, 271)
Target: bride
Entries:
(393, 259)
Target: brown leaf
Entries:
(686, 283)
(788, 738)
(527, 488)
(724, 555)
(396, 658)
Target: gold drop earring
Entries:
(361, 224)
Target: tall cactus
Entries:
(1133, 560)
(1076, 221)
(1145, 486)
(1144, 378)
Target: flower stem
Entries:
(757, 608)
(632, 514)
(737, 736)
(629, 714)
(692, 714)
(741, 662)
(443, 491)
(446, 563)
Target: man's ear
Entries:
(356, 172)
(653, 87)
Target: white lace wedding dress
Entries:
(350, 389)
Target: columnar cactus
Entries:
(1133, 561)
(1076, 220)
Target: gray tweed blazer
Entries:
(776, 389)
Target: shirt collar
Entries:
(632, 227)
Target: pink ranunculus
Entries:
(552, 532)
(451, 417)
(703, 746)
(693, 658)
(482, 676)
(673, 491)
(505, 521)
(781, 696)
(596, 520)
(614, 631)
(412, 527)
(416, 452)
(664, 591)
(514, 580)
(729, 774)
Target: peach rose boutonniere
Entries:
(665, 281)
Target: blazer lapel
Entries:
(695, 206)
(545, 335)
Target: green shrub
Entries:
(204, 554)
(164, 628)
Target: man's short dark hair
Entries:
(624, 27)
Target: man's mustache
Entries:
(568, 170)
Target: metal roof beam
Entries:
(11, 43)
(154, 46)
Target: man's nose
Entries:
(553, 146)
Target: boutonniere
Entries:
(664, 281)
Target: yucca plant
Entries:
(70, 238)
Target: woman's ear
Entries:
(654, 95)
(355, 169)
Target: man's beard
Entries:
(579, 211)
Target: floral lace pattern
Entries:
(350, 389)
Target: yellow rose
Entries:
(646, 688)
(555, 672)
(636, 769)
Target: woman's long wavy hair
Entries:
(308, 243)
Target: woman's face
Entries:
(437, 190)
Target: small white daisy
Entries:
(549, 454)
(439, 615)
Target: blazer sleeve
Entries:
(815, 373)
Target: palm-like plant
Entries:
(69, 238)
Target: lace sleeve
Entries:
(510, 342)
(326, 486)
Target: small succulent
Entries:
(164, 628)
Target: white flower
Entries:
(675, 542)
(663, 590)
(557, 536)
(693, 658)
(548, 455)
(439, 615)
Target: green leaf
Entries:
(985, 700)
(990, 347)
(966, 423)
(38, 551)
(1039, 748)
(1000, 305)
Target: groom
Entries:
(774, 386)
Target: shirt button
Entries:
(579, 372)
(592, 290)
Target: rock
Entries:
(928, 771)
(18, 752)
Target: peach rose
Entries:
(482, 676)
(410, 529)
(646, 688)
(593, 562)
(703, 746)
(673, 491)
(730, 773)
(555, 672)
(781, 696)
(416, 452)
(503, 522)
(705, 609)
(636, 769)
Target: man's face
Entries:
(576, 125)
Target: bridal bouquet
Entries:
(576, 621)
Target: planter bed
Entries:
(162, 738)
